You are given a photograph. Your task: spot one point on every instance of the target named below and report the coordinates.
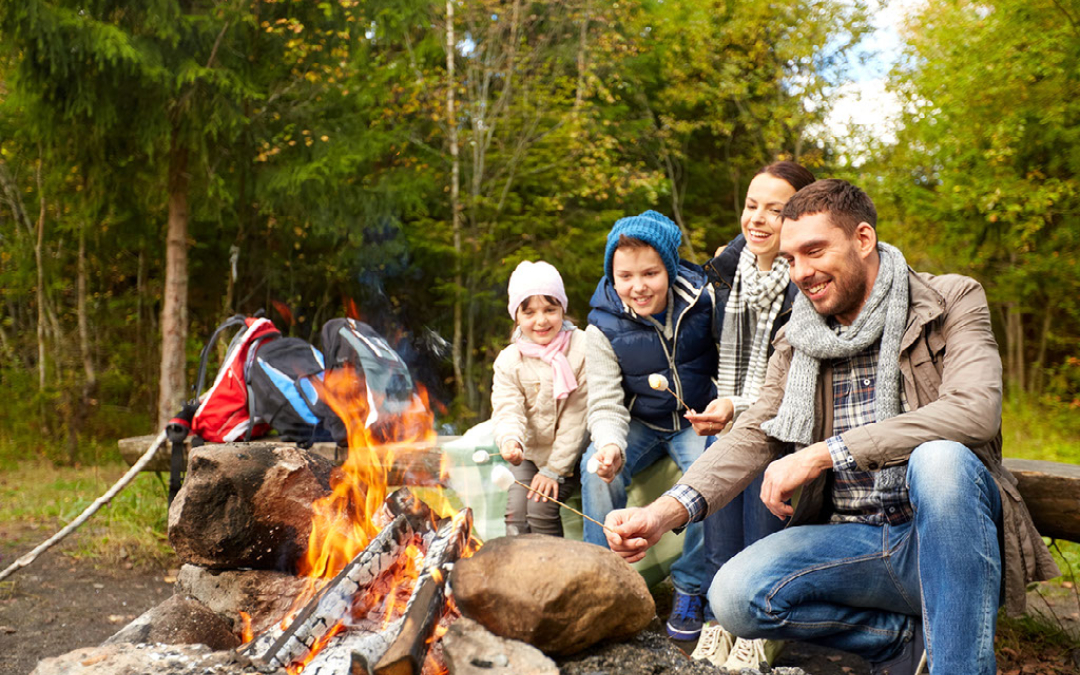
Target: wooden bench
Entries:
(1050, 489)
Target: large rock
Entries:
(265, 595)
(247, 505)
(558, 595)
(180, 620)
(470, 649)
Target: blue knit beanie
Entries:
(656, 230)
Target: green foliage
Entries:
(41, 499)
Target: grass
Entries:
(38, 499)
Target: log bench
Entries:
(1050, 489)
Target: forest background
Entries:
(168, 163)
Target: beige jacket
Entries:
(951, 371)
(523, 408)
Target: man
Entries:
(906, 527)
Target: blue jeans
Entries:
(643, 447)
(743, 521)
(861, 588)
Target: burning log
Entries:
(352, 651)
(428, 602)
(333, 602)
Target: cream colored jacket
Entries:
(523, 408)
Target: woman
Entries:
(753, 300)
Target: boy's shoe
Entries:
(686, 616)
(750, 653)
(910, 661)
(714, 645)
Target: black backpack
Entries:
(389, 387)
(280, 391)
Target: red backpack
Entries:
(223, 413)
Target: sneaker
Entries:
(686, 616)
(714, 645)
(910, 661)
(750, 653)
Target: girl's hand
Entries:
(511, 451)
(609, 462)
(547, 487)
(717, 415)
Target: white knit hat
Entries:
(534, 278)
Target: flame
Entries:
(346, 520)
(246, 635)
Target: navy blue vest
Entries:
(721, 273)
(688, 360)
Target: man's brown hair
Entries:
(845, 204)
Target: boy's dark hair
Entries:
(794, 174)
(631, 243)
(846, 205)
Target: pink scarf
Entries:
(562, 374)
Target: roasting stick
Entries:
(90, 510)
(658, 382)
(503, 479)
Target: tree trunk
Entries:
(1038, 372)
(40, 290)
(174, 308)
(582, 56)
(81, 409)
(455, 198)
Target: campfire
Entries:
(377, 563)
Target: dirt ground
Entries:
(60, 603)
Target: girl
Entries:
(539, 400)
(753, 300)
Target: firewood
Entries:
(406, 656)
(334, 600)
(352, 651)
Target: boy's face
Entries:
(641, 280)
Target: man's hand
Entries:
(637, 529)
(609, 462)
(512, 452)
(544, 487)
(717, 415)
(788, 473)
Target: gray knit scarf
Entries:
(883, 316)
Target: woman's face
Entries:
(765, 199)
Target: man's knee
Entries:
(945, 473)
(735, 597)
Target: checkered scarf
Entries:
(883, 317)
(752, 307)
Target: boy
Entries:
(651, 313)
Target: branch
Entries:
(91, 510)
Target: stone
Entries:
(470, 649)
(180, 620)
(265, 595)
(129, 659)
(558, 595)
(247, 505)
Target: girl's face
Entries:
(765, 199)
(540, 320)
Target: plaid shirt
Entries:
(872, 497)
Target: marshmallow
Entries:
(501, 477)
(593, 464)
(658, 381)
(480, 456)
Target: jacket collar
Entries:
(925, 305)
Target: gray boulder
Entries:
(265, 595)
(470, 649)
(180, 620)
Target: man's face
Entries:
(641, 280)
(830, 267)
